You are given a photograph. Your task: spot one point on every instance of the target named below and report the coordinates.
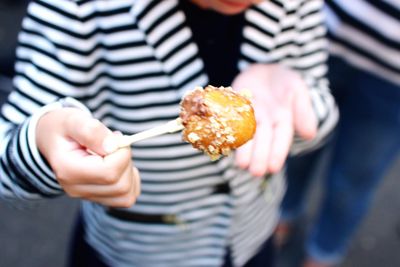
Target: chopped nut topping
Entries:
(193, 137)
(217, 120)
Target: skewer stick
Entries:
(169, 127)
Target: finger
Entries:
(136, 181)
(305, 121)
(121, 187)
(90, 133)
(93, 169)
(120, 158)
(124, 201)
(280, 145)
(261, 149)
(243, 155)
(245, 152)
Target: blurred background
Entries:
(39, 236)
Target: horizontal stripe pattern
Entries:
(300, 45)
(356, 36)
(130, 62)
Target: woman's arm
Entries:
(294, 108)
(49, 146)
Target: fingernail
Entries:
(110, 144)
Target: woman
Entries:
(129, 63)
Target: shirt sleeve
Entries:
(311, 47)
(24, 173)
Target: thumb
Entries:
(91, 134)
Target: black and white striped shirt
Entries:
(367, 34)
(129, 62)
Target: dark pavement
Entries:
(376, 243)
(37, 237)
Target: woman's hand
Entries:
(84, 156)
(282, 108)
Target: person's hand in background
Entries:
(84, 156)
(282, 108)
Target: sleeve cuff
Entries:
(27, 156)
(327, 115)
(300, 146)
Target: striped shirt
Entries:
(366, 33)
(129, 62)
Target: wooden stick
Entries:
(169, 127)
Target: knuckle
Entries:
(128, 201)
(109, 179)
(91, 127)
(124, 204)
(126, 158)
(136, 173)
(72, 118)
(123, 187)
(61, 176)
(111, 176)
(72, 193)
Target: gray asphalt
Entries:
(376, 242)
(39, 236)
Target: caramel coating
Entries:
(217, 120)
